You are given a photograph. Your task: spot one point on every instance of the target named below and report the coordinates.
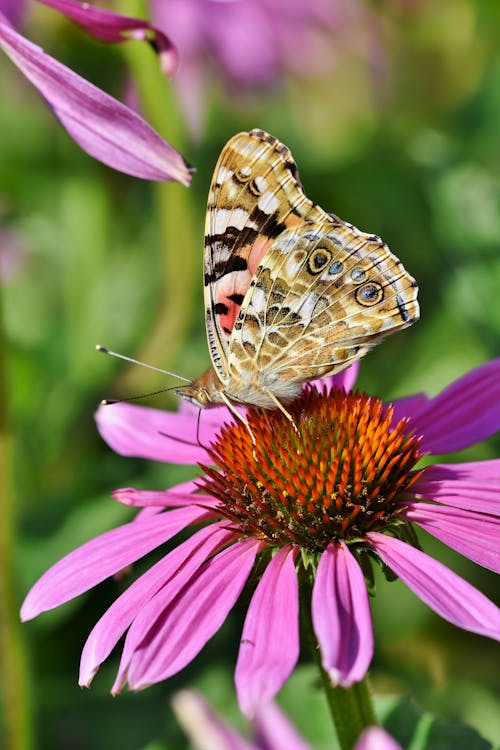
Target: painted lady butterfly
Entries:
(292, 293)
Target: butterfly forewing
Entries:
(255, 195)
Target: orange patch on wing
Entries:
(291, 220)
(228, 298)
(257, 252)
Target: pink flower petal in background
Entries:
(158, 435)
(101, 125)
(275, 731)
(14, 255)
(180, 564)
(269, 646)
(14, 11)
(341, 616)
(166, 635)
(441, 589)
(103, 556)
(251, 43)
(376, 738)
(464, 413)
(206, 731)
(474, 535)
(112, 27)
(272, 728)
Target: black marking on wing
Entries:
(234, 263)
(220, 308)
(217, 361)
(236, 298)
(271, 227)
(228, 238)
(402, 308)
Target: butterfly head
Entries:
(196, 395)
(204, 392)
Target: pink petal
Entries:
(269, 646)
(473, 486)
(102, 126)
(345, 379)
(474, 535)
(275, 731)
(14, 11)
(409, 406)
(465, 413)
(133, 430)
(460, 495)
(203, 727)
(341, 616)
(169, 632)
(180, 564)
(180, 495)
(376, 738)
(112, 27)
(441, 589)
(468, 470)
(147, 512)
(103, 556)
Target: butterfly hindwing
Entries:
(323, 295)
(255, 195)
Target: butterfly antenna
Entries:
(109, 401)
(143, 364)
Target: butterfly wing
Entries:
(322, 296)
(254, 197)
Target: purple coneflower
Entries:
(100, 124)
(308, 510)
(247, 44)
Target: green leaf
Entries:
(418, 730)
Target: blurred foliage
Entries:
(408, 150)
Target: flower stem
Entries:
(179, 232)
(13, 680)
(351, 708)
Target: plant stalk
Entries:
(351, 708)
(15, 702)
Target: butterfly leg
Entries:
(237, 415)
(280, 406)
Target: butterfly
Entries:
(292, 293)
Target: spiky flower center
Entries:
(338, 471)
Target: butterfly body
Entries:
(292, 293)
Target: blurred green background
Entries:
(407, 147)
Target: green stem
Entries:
(180, 233)
(13, 680)
(351, 708)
